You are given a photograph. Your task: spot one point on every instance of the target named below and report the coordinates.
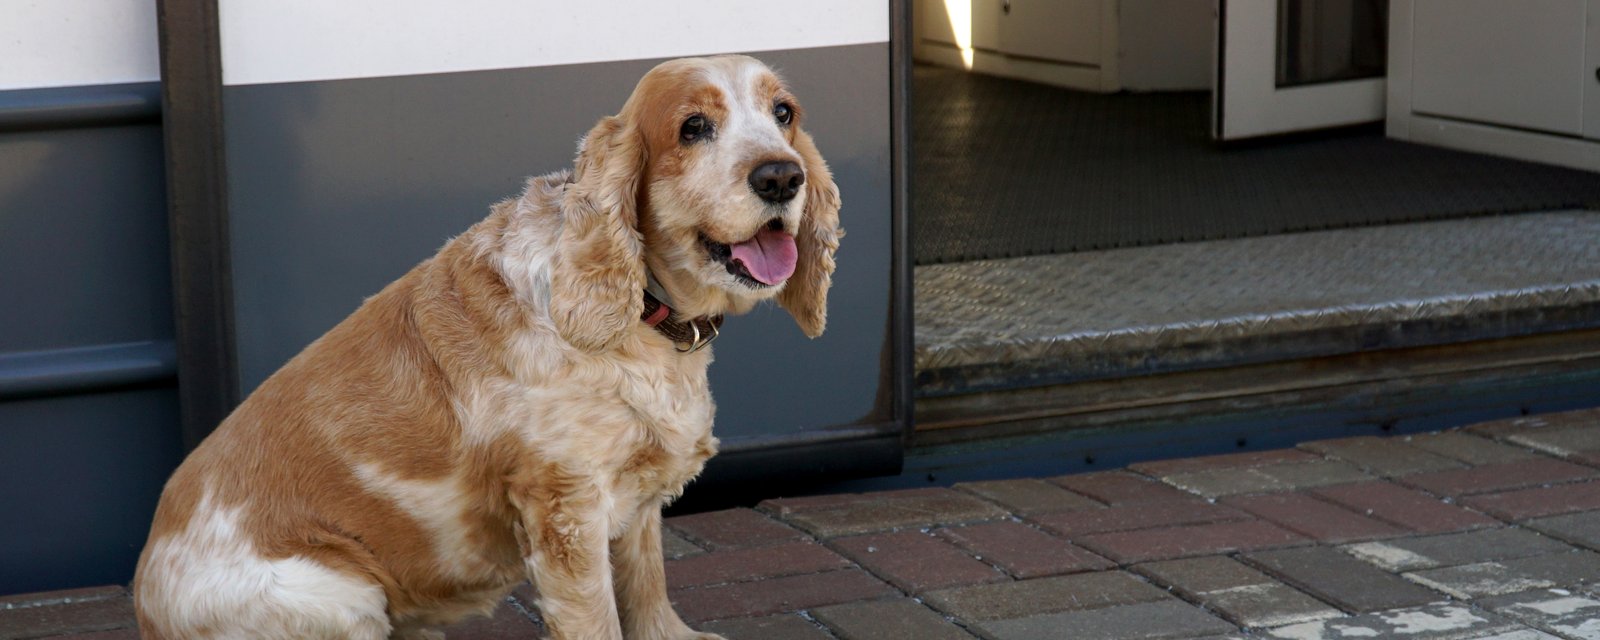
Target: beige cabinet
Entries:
(1516, 79)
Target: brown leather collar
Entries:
(687, 336)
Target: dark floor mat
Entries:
(1005, 168)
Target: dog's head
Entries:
(707, 179)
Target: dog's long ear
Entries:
(596, 280)
(806, 294)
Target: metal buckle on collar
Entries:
(700, 341)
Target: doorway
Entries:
(1085, 213)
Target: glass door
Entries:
(1295, 65)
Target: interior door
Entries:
(1295, 65)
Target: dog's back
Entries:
(318, 508)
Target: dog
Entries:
(521, 405)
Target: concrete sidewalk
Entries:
(1485, 532)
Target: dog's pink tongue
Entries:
(769, 257)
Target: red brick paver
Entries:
(1023, 551)
(778, 595)
(1080, 523)
(1539, 502)
(1120, 488)
(734, 529)
(1408, 508)
(917, 562)
(750, 564)
(1498, 477)
(1189, 541)
(1314, 518)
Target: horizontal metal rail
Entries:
(54, 372)
(85, 106)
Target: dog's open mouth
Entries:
(765, 260)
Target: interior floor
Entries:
(1001, 324)
(1006, 168)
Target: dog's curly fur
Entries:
(500, 413)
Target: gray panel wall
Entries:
(338, 187)
(83, 263)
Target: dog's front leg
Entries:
(567, 556)
(642, 584)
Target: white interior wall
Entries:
(1166, 44)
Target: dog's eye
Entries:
(783, 113)
(694, 128)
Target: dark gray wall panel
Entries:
(338, 187)
(84, 273)
(79, 478)
(83, 238)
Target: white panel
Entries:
(986, 16)
(296, 40)
(1251, 101)
(1512, 63)
(63, 43)
(1065, 30)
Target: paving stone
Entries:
(1314, 518)
(1383, 456)
(894, 510)
(1578, 528)
(674, 546)
(786, 506)
(1498, 477)
(1216, 483)
(506, 622)
(1239, 593)
(786, 626)
(738, 565)
(1190, 540)
(1161, 468)
(1559, 442)
(1449, 550)
(119, 634)
(1023, 551)
(1146, 621)
(777, 595)
(1119, 488)
(1044, 595)
(80, 613)
(1336, 577)
(888, 620)
(1559, 611)
(1539, 501)
(1445, 621)
(734, 529)
(1408, 508)
(917, 562)
(65, 596)
(1560, 570)
(1027, 496)
(1137, 516)
(1468, 448)
(1521, 424)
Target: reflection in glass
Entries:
(1331, 40)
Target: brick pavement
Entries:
(1488, 532)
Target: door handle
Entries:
(1005, 8)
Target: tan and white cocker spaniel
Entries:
(519, 406)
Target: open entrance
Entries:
(1128, 211)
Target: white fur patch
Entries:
(209, 582)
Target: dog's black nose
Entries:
(777, 182)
